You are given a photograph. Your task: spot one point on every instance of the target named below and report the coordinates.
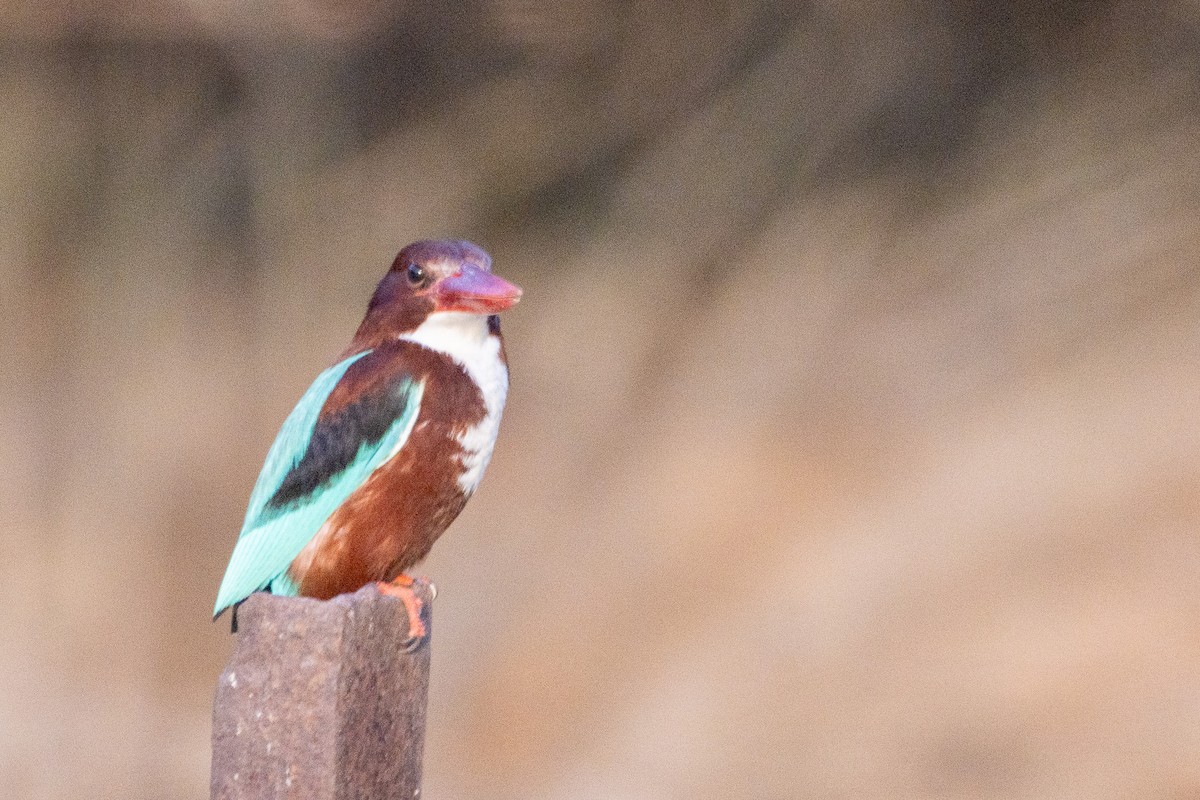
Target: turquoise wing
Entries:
(313, 466)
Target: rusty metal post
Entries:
(318, 701)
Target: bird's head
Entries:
(431, 277)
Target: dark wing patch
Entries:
(339, 437)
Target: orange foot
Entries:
(402, 588)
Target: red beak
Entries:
(476, 291)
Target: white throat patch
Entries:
(465, 338)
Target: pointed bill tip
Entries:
(476, 291)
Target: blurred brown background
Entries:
(853, 449)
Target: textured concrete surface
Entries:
(319, 701)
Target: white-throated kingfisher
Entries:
(384, 449)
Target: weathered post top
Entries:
(320, 702)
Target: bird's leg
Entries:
(401, 587)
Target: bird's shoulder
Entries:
(455, 393)
(363, 409)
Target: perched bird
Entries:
(383, 450)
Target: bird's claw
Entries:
(403, 589)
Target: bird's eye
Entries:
(416, 274)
